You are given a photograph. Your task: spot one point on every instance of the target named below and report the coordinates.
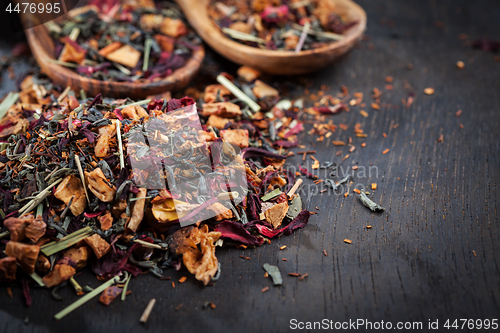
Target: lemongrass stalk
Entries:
(237, 92)
(85, 299)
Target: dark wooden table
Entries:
(434, 253)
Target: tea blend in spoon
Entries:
(292, 25)
(130, 41)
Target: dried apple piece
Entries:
(99, 185)
(98, 245)
(71, 187)
(125, 55)
(58, 275)
(26, 255)
(226, 109)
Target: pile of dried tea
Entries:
(281, 25)
(140, 186)
(127, 42)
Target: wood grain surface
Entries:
(432, 255)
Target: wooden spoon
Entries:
(42, 48)
(274, 62)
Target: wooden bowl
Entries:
(274, 62)
(42, 48)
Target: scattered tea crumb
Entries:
(384, 135)
(182, 279)
(147, 311)
(325, 253)
(266, 274)
(265, 289)
(303, 276)
(173, 284)
(356, 190)
(9, 291)
(283, 247)
(368, 227)
(458, 113)
(178, 307)
(246, 258)
(348, 241)
(364, 113)
(460, 64)
(474, 252)
(212, 305)
(363, 144)
(461, 126)
(374, 186)
(385, 151)
(429, 91)
(441, 138)
(294, 274)
(284, 259)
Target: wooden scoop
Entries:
(42, 48)
(274, 62)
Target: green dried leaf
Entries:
(370, 204)
(275, 274)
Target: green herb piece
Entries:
(37, 279)
(144, 101)
(271, 195)
(237, 92)
(120, 144)
(85, 298)
(124, 291)
(242, 36)
(62, 63)
(275, 274)
(83, 96)
(78, 288)
(325, 34)
(67, 241)
(8, 101)
(294, 207)
(370, 204)
(147, 51)
(39, 198)
(4, 234)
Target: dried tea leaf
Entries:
(370, 204)
(294, 208)
(275, 274)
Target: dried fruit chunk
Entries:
(262, 90)
(221, 212)
(213, 91)
(125, 55)
(166, 43)
(17, 226)
(138, 210)
(110, 48)
(72, 52)
(98, 245)
(217, 122)
(99, 185)
(135, 112)
(237, 136)
(248, 74)
(226, 109)
(78, 255)
(242, 27)
(106, 221)
(276, 214)
(71, 187)
(173, 27)
(151, 21)
(109, 294)
(203, 264)
(58, 275)
(36, 229)
(26, 255)
(8, 268)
